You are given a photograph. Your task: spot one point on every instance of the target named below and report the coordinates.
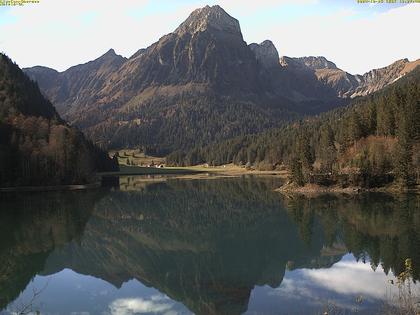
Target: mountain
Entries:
(345, 84)
(76, 83)
(266, 54)
(200, 84)
(375, 141)
(37, 147)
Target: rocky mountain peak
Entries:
(401, 61)
(209, 17)
(138, 53)
(109, 59)
(266, 53)
(293, 63)
(317, 63)
(110, 54)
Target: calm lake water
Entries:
(204, 246)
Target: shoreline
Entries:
(50, 188)
(138, 171)
(313, 189)
(179, 172)
(225, 171)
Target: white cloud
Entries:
(351, 278)
(346, 278)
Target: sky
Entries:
(357, 37)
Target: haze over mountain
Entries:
(200, 84)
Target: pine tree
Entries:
(403, 153)
(328, 151)
(296, 172)
(355, 129)
(305, 155)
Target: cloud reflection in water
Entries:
(157, 304)
(310, 289)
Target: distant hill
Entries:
(372, 142)
(36, 146)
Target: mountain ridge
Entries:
(200, 73)
(348, 85)
(141, 101)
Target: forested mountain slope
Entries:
(36, 146)
(374, 141)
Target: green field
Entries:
(131, 157)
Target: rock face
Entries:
(207, 48)
(210, 18)
(200, 84)
(266, 53)
(316, 63)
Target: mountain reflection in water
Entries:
(215, 246)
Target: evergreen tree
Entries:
(296, 172)
(403, 153)
(327, 149)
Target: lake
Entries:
(162, 245)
